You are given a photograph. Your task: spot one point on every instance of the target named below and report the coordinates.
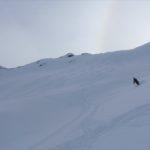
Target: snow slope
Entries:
(84, 102)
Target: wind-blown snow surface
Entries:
(85, 102)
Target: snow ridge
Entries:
(77, 102)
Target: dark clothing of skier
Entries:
(136, 81)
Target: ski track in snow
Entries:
(86, 141)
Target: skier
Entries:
(136, 81)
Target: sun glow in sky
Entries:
(31, 30)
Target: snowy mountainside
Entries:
(84, 102)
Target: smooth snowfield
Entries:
(85, 102)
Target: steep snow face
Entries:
(85, 102)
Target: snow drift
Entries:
(84, 102)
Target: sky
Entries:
(35, 29)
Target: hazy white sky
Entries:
(35, 29)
